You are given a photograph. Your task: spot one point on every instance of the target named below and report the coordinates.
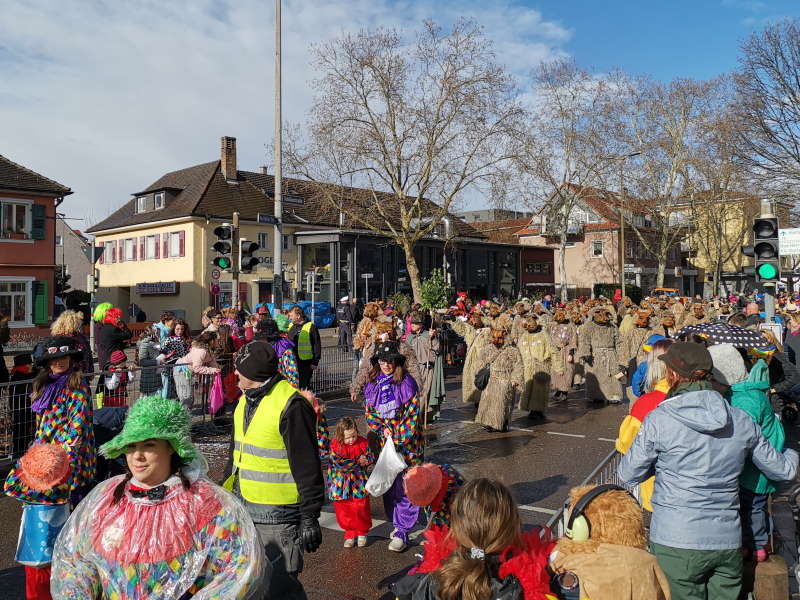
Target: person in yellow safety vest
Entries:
(275, 467)
(307, 344)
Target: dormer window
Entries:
(159, 199)
(141, 204)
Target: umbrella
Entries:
(722, 333)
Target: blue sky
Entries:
(665, 38)
(107, 96)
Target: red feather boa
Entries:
(527, 564)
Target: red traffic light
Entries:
(223, 232)
(765, 228)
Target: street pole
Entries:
(235, 259)
(92, 302)
(768, 288)
(622, 227)
(277, 257)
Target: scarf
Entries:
(282, 345)
(50, 392)
(385, 401)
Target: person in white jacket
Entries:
(199, 361)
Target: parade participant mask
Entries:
(577, 318)
(699, 311)
(494, 312)
(643, 319)
(668, 321)
(498, 337)
(627, 302)
(538, 309)
(476, 320)
(601, 316)
(560, 316)
(531, 324)
(725, 309)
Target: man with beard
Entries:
(564, 339)
(597, 349)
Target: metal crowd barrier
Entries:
(605, 472)
(18, 423)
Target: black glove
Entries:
(310, 533)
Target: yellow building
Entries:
(157, 247)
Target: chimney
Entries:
(228, 158)
(264, 170)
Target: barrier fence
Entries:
(18, 422)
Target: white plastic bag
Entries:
(388, 466)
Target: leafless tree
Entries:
(768, 87)
(560, 159)
(416, 123)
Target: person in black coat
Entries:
(113, 335)
(305, 366)
(347, 323)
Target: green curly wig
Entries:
(154, 417)
(283, 322)
(100, 312)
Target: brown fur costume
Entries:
(613, 563)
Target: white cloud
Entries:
(106, 96)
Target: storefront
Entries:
(359, 264)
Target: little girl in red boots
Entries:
(347, 475)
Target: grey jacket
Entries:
(696, 445)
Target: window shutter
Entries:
(103, 255)
(114, 251)
(158, 244)
(142, 254)
(123, 250)
(40, 302)
(182, 243)
(165, 252)
(133, 240)
(38, 222)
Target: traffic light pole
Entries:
(277, 255)
(768, 289)
(235, 260)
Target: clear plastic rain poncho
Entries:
(198, 543)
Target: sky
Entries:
(106, 96)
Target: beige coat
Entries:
(537, 353)
(597, 348)
(564, 339)
(475, 340)
(506, 376)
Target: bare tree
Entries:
(560, 157)
(417, 124)
(768, 87)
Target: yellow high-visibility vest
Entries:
(259, 454)
(304, 349)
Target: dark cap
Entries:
(388, 352)
(686, 358)
(266, 329)
(257, 361)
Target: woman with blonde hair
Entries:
(70, 324)
(483, 555)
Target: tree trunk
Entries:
(562, 266)
(660, 276)
(413, 271)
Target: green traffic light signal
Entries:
(222, 262)
(767, 271)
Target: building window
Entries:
(263, 240)
(630, 249)
(597, 248)
(159, 198)
(150, 247)
(16, 220)
(174, 244)
(286, 242)
(130, 249)
(15, 301)
(108, 252)
(59, 240)
(537, 268)
(141, 204)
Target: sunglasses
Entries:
(54, 349)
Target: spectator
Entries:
(23, 423)
(177, 345)
(308, 346)
(199, 360)
(753, 316)
(5, 337)
(113, 336)
(205, 320)
(267, 330)
(738, 320)
(70, 323)
(792, 340)
(215, 320)
(165, 324)
(148, 350)
(344, 315)
(696, 445)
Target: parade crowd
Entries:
(117, 502)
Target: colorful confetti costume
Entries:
(346, 486)
(407, 438)
(438, 513)
(287, 366)
(198, 543)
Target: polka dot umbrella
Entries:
(722, 333)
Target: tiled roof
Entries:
(504, 231)
(17, 177)
(203, 191)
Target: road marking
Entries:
(547, 511)
(607, 440)
(575, 435)
(327, 520)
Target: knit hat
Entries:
(257, 361)
(687, 357)
(422, 483)
(729, 368)
(43, 467)
(154, 417)
(648, 345)
(117, 357)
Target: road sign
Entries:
(789, 241)
(367, 275)
(215, 289)
(215, 274)
(265, 219)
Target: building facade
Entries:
(28, 203)
(71, 255)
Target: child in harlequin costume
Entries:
(347, 477)
(484, 555)
(163, 531)
(44, 468)
(433, 488)
(392, 410)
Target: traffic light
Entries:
(765, 249)
(247, 262)
(224, 235)
(93, 281)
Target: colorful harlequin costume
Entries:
(346, 486)
(433, 487)
(164, 542)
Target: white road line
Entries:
(575, 435)
(607, 440)
(521, 429)
(547, 511)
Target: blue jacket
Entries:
(638, 379)
(696, 445)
